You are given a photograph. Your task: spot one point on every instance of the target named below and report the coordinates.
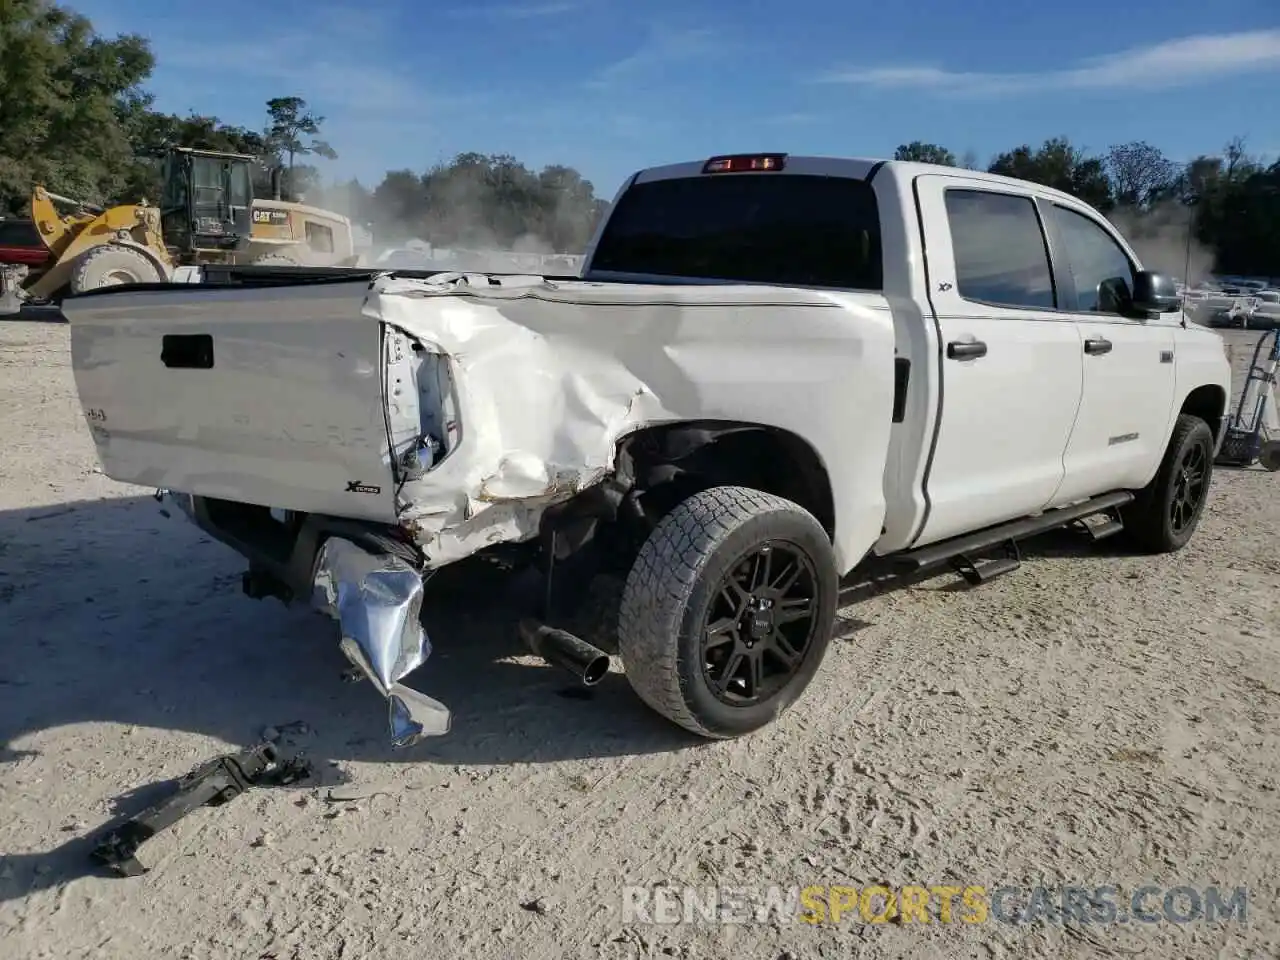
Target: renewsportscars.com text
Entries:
(969, 904)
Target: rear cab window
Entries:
(1001, 254)
(767, 227)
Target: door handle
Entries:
(1095, 347)
(966, 349)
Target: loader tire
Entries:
(111, 265)
(701, 630)
(1165, 513)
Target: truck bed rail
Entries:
(257, 276)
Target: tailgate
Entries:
(271, 396)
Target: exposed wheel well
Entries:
(1209, 403)
(657, 467)
(668, 463)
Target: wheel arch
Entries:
(691, 455)
(1208, 402)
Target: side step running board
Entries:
(1108, 526)
(976, 573)
(957, 549)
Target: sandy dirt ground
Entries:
(1095, 718)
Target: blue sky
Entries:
(609, 87)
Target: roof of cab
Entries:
(859, 168)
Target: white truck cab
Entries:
(772, 370)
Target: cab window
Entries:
(769, 228)
(319, 237)
(1102, 270)
(1000, 250)
(240, 185)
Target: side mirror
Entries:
(1155, 293)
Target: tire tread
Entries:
(1144, 520)
(661, 582)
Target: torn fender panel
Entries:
(377, 602)
(548, 376)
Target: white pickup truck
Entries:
(772, 369)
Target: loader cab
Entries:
(207, 200)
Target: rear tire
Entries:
(1165, 514)
(111, 265)
(728, 610)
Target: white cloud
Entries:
(1172, 63)
(327, 75)
(663, 48)
(534, 10)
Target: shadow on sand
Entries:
(113, 611)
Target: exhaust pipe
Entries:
(562, 649)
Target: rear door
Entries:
(1010, 361)
(1129, 365)
(269, 396)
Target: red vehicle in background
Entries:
(21, 250)
(20, 243)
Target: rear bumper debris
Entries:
(377, 601)
(211, 784)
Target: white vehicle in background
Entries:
(1266, 315)
(773, 370)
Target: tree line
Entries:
(75, 115)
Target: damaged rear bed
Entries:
(349, 435)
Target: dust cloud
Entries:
(1162, 238)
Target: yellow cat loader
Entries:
(207, 214)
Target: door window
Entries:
(1103, 271)
(1000, 250)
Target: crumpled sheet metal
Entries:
(547, 376)
(540, 413)
(376, 600)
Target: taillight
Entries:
(745, 162)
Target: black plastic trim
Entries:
(1097, 346)
(941, 360)
(901, 380)
(944, 550)
(966, 349)
(875, 168)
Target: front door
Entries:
(1129, 378)
(1010, 359)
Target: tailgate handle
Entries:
(187, 351)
